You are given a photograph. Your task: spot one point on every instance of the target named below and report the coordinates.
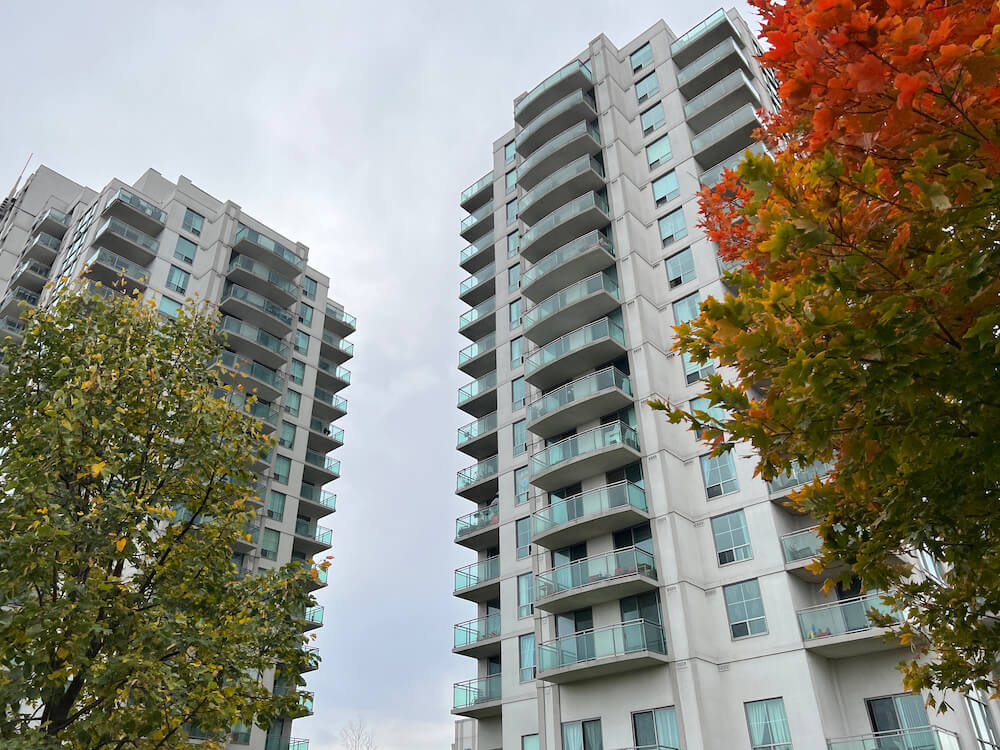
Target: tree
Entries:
(126, 483)
(865, 326)
(358, 736)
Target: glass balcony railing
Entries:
(562, 175)
(333, 370)
(473, 631)
(842, 617)
(556, 144)
(253, 333)
(477, 573)
(338, 343)
(920, 738)
(32, 266)
(45, 240)
(134, 236)
(12, 326)
(476, 247)
(579, 389)
(622, 562)
(732, 82)
(601, 280)
(470, 693)
(476, 473)
(745, 115)
(314, 615)
(477, 428)
(315, 458)
(712, 175)
(598, 438)
(262, 272)
(470, 390)
(255, 370)
(316, 495)
(485, 344)
(263, 411)
(801, 545)
(485, 274)
(142, 206)
(574, 340)
(330, 399)
(686, 39)
(602, 643)
(567, 252)
(54, 215)
(313, 531)
(324, 427)
(574, 67)
(547, 115)
(590, 503)
(122, 265)
(342, 315)
(476, 216)
(244, 232)
(477, 312)
(799, 476)
(475, 187)
(237, 292)
(710, 58)
(477, 521)
(564, 213)
(295, 744)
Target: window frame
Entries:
(668, 196)
(681, 280)
(722, 485)
(653, 92)
(748, 545)
(744, 601)
(678, 233)
(647, 129)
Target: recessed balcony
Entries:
(254, 275)
(720, 100)
(10, 305)
(574, 219)
(844, 628)
(324, 436)
(589, 654)
(575, 260)
(270, 252)
(479, 582)
(478, 223)
(52, 221)
(339, 320)
(129, 207)
(576, 75)
(589, 514)
(478, 193)
(311, 538)
(725, 137)
(478, 638)
(575, 106)
(572, 307)
(480, 357)
(478, 254)
(479, 321)
(255, 308)
(583, 400)
(328, 405)
(252, 376)
(115, 271)
(332, 376)
(478, 482)
(334, 348)
(31, 274)
(479, 397)
(578, 177)
(479, 287)
(714, 174)
(127, 241)
(597, 579)
(921, 738)
(586, 454)
(318, 468)
(478, 699)
(43, 247)
(320, 502)
(582, 139)
(576, 352)
(479, 439)
(711, 67)
(253, 341)
(688, 47)
(480, 529)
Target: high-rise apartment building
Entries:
(629, 590)
(284, 339)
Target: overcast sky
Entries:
(351, 127)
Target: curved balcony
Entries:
(479, 321)
(248, 305)
(478, 699)
(339, 320)
(572, 307)
(576, 75)
(721, 99)
(480, 529)
(586, 454)
(332, 376)
(713, 66)
(599, 511)
(265, 381)
(578, 140)
(572, 220)
(583, 400)
(254, 275)
(575, 260)
(478, 638)
(43, 247)
(478, 482)
(728, 135)
(318, 468)
(31, 274)
(129, 207)
(311, 538)
(52, 221)
(250, 242)
(334, 348)
(579, 176)
(921, 738)
(128, 241)
(576, 352)
(324, 436)
(575, 106)
(479, 582)
(596, 579)
(479, 439)
(115, 271)
(10, 305)
(478, 254)
(319, 502)
(479, 287)
(256, 342)
(842, 629)
(599, 652)
(688, 47)
(478, 223)
(328, 405)
(479, 397)
(478, 193)
(480, 357)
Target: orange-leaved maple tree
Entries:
(864, 330)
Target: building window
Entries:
(170, 308)
(193, 222)
(513, 244)
(306, 312)
(745, 609)
(515, 313)
(269, 544)
(240, 734)
(309, 287)
(514, 278)
(185, 250)
(276, 505)
(680, 267)
(177, 279)
(656, 728)
(529, 742)
(652, 118)
(509, 152)
(647, 87)
(527, 645)
(522, 533)
(286, 438)
(732, 538)
(293, 400)
(301, 344)
(705, 405)
(517, 393)
(720, 474)
(517, 352)
(282, 468)
(665, 188)
(512, 211)
(672, 227)
(768, 725)
(582, 735)
(693, 371)
(522, 488)
(894, 712)
(511, 180)
(641, 58)
(525, 596)
(297, 371)
(520, 437)
(658, 152)
(982, 721)
(686, 308)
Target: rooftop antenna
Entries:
(8, 203)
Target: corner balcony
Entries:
(334, 348)
(720, 100)
(597, 579)
(596, 451)
(717, 27)
(477, 699)
(127, 241)
(730, 134)
(269, 384)
(479, 321)
(599, 652)
(578, 177)
(575, 260)
(10, 305)
(318, 468)
(328, 405)
(576, 352)
(339, 320)
(52, 221)
(589, 514)
(575, 106)
(479, 482)
(320, 502)
(478, 638)
(113, 270)
(712, 67)
(479, 439)
(479, 582)
(582, 139)
(43, 247)
(332, 376)
(921, 738)
(31, 274)
(255, 308)
(324, 436)
(781, 485)
(572, 220)
(478, 223)
(311, 538)
(480, 357)
(313, 618)
(576, 75)
(480, 529)
(129, 207)
(478, 193)
(583, 400)
(254, 275)
(253, 341)
(479, 287)
(9, 327)
(478, 254)
(479, 397)
(714, 174)
(252, 243)
(568, 309)
(842, 629)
